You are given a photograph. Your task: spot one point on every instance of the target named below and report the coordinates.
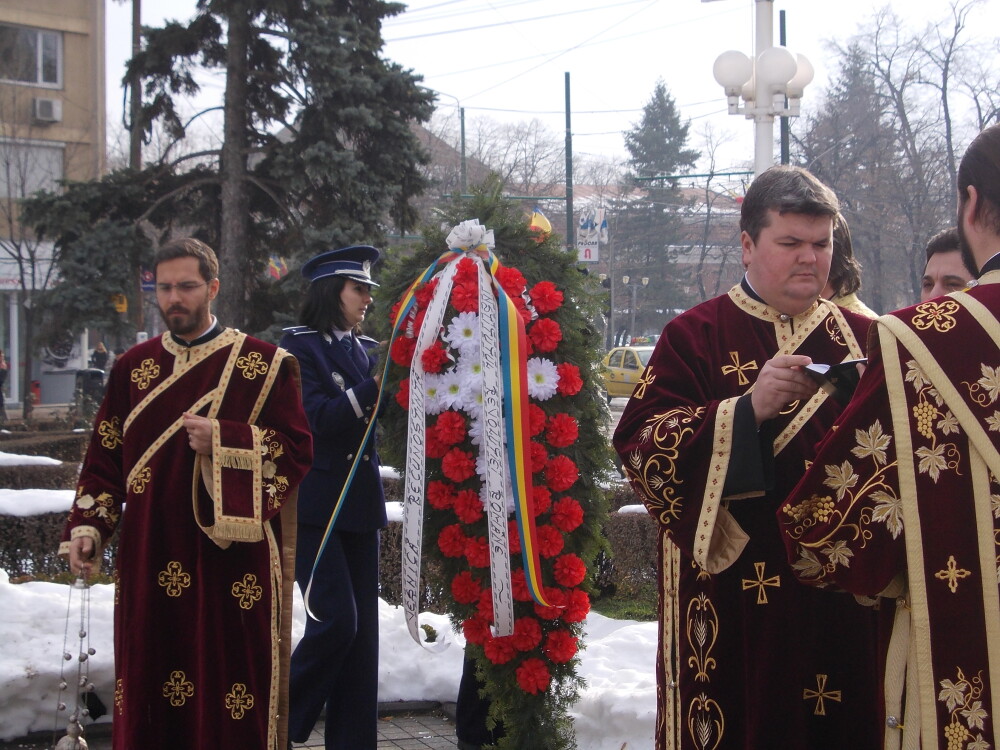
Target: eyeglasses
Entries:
(184, 287)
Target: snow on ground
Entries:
(617, 706)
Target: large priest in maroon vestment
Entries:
(196, 453)
(718, 429)
(903, 499)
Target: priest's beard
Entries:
(963, 244)
(183, 320)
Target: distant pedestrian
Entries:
(99, 358)
(3, 382)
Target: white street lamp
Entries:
(644, 281)
(763, 83)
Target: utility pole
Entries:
(570, 244)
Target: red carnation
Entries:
(536, 419)
(560, 473)
(477, 552)
(458, 465)
(424, 292)
(484, 607)
(451, 541)
(539, 456)
(402, 350)
(545, 334)
(529, 348)
(533, 676)
(464, 588)
(541, 499)
(519, 586)
(511, 280)
(577, 606)
(562, 430)
(433, 447)
(569, 570)
(418, 321)
(567, 514)
(550, 541)
(467, 270)
(450, 427)
(545, 297)
(476, 630)
(440, 495)
(394, 312)
(522, 309)
(403, 394)
(560, 646)
(527, 633)
(468, 507)
(557, 602)
(500, 650)
(465, 297)
(434, 357)
(513, 538)
(569, 379)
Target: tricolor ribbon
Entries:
(505, 438)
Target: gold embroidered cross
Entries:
(820, 695)
(738, 368)
(646, 379)
(239, 701)
(247, 591)
(145, 373)
(761, 582)
(952, 574)
(178, 688)
(174, 579)
(111, 435)
(252, 365)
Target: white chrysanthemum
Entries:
(508, 491)
(434, 392)
(475, 433)
(463, 332)
(543, 377)
(470, 366)
(450, 387)
(472, 399)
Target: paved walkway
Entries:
(407, 726)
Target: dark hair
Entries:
(786, 190)
(322, 308)
(189, 247)
(980, 168)
(945, 241)
(845, 271)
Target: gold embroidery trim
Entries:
(174, 579)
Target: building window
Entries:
(29, 166)
(30, 56)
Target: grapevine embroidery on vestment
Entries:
(145, 373)
(963, 699)
(101, 506)
(873, 444)
(658, 475)
(275, 484)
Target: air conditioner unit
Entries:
(47, 110)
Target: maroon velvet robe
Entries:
(748, 658)
(903, 501)
(205, 554)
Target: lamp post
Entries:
(771, 84)
(461, 123)
(634, 286)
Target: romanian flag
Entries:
(540, 225)
(276, 267)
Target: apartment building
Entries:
(52, 126)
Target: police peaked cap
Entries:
(353, 262)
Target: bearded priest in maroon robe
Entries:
(196, 453)
(903, 499)
(718, 429)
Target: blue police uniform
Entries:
(335, 664)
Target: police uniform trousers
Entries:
(331, 665)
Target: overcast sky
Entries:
(507, 59)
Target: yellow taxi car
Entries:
(622, 367)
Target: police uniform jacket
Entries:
(339, 397)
